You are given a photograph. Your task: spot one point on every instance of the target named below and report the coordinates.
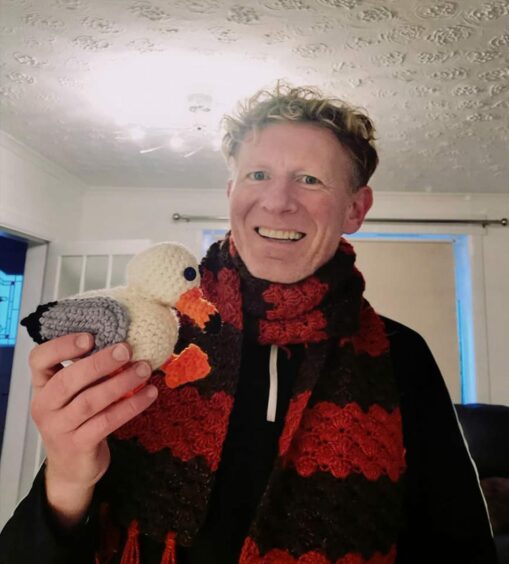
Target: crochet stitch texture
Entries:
(336, 490)
(159, 279)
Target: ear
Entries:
(360, 203)
(229, 187)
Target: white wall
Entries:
(41, 201)
(118, 213)
(112, 213)
(496, 258)
(37, 197)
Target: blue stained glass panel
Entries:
(10, 300)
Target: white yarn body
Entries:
(155, 281)
(153, 327)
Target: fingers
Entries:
(45, 359)
(95, 399)
(70, 381)
(107, 421)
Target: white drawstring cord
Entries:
(272, 403)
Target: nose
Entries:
(279, 196)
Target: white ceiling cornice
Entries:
(25, 152)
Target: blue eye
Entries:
(190, 273)
(310, 180)
(257, 175)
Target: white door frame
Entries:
(11, 462)
(22, 452)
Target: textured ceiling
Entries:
(434, 75)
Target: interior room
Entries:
(110, 141)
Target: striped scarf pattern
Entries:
(335, 494)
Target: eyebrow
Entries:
(255, 164)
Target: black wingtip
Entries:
(32, 322)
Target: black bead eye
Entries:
(190, 273)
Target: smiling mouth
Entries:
(279, 235)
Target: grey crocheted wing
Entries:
(105, 318)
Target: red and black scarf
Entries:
(336, 492)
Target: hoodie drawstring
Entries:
(272, 403)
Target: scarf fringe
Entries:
(170, 549)
(131, 554)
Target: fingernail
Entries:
(143, 370)
(120, 352)
(83, 341)
(152, 392)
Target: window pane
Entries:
(118, 269)
(96, 272)
(414, 283)
(10, 298)
(70, 273)
(210, 236)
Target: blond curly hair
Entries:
(351, 126)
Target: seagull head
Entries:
(163, 273)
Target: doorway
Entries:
(12, 266)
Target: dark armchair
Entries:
(486, 430)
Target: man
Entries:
(324, 433)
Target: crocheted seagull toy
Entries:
(160, 280)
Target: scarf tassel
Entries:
(170, 550)
(131, 554)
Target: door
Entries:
(71, 268)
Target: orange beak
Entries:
(195, 306)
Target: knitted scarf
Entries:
(335, 493)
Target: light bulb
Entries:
(176, 142)
(137, 133)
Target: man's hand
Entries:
(76, 408)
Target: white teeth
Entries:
(274, 234)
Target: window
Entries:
(10, 299)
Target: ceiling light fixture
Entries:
(137, 133)
(176, 142)
(183, 94)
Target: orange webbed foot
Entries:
(190, 365)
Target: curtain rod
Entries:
(483, 222)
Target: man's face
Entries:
(290, 200)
